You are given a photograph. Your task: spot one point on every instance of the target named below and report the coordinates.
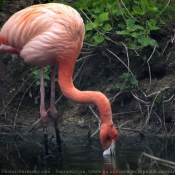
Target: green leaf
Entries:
(133, 45)
(144, 41)
(89, 26)
(147, 41)
(46, 77)
(97, 10)
(38, 83)
(137, 11)
(35, 72)
(98, 38)
(138, 27)
(133, 80)
(96, 3)
(144, 3)
(107, 27)
(97, 24)
(124, 75)
(119, 85)
(104, 16)
(153, 43)
(152, 24)
(144, 58)
(122, 25)
(148, 6)
(123, 32)
(135, 34)
(130, 22)
(88, 34)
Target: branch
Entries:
(99, 121)
(150, 68)
(161, 161)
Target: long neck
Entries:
(65, 71)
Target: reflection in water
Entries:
(110, 167)
(81, 159)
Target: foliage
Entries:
(133, 19)
(99, 15)
(36, 75)
(2, 4)
(137, 23)
(159, 99)
(141, 20)
(127, 82)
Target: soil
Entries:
(147, 108)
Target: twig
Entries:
(38, 143)
(98, 30)
(120, 61)
(15, 94)
(86, 57)
(134, 130)
(83, 65)
(5, 114)
(139, 98)
(161, 161)
(14, 123)
(19, 154)
(155, 92)
(99, 121)
(140, 109)
(128, 11)
(160, 123)
(128, 169)
(156, 132)
(153, 102)
(164, 8)
(165, 101)
(113, 98)
(148, 117)
(150, 68)
(20, 126)
(20, 136)
(123, 125)
(163, 113)
(122, 113)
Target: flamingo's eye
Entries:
(107, 138)
(111, 125)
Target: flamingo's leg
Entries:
(43, 112)
(53, 110)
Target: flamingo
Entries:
(52, 34)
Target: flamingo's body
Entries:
(52, 34)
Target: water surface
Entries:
(25, 156)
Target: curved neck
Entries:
(65, 71)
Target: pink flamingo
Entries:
(52, 34)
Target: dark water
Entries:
(25, 156)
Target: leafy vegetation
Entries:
(133, 22)
(133, 19)
(127, 82)
(36, 75)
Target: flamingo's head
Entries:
(109, 137)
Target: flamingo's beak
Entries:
(110, 150)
